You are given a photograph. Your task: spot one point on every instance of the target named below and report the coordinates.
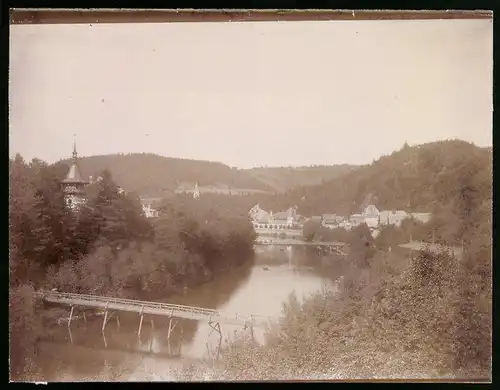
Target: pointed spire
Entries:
(74, 175)
(75, 154)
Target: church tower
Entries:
(73, 185)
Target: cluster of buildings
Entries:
(268, 222)
(372, 217)
(263, 221)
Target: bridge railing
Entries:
(129, 302)
(152, 305)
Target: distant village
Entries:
(287, 222)
(268, 222)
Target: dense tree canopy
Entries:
(434, 304)
(107, 246)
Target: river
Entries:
(260, 287)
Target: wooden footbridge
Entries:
(112, 306)
(154, 308)
(337, 247)
(262, 240)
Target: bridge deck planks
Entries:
(298, 243)
(152, 308)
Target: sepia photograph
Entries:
(211, 196)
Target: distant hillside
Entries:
(427, 178)
(283, 178)
(153, 175)
(424, 178)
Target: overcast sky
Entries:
(249, 94)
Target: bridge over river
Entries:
(111, 306)
(334, 246)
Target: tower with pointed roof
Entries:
(73, 185)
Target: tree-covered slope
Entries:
(425, 178)
(153, 175)
(286, 178)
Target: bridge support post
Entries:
(251, 329)
(84, 317)
(170, 328)
(105, 318)
(215, 326)
(140, 323)
(70, 316)
(70, 336)
(117, 320)
(220, 340)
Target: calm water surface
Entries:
(261, 287)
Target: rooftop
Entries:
(74, 175)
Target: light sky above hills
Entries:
(249, 94)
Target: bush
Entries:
(390, 320)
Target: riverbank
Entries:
(397, 319)
(135, 272)
(245, 289)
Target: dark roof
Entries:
(74, 175)
(281, 215)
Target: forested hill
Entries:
(419, 178)
(153, 175)
(428, 178)
(286, 178)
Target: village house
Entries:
(371, 216)
(422, 217)
(148, 207)
(149, 211)
(331, 221)
(356, 219)
(346, 224)
(393, 217)
(374, 218)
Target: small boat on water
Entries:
(265, 268)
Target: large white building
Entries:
(262, 219)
